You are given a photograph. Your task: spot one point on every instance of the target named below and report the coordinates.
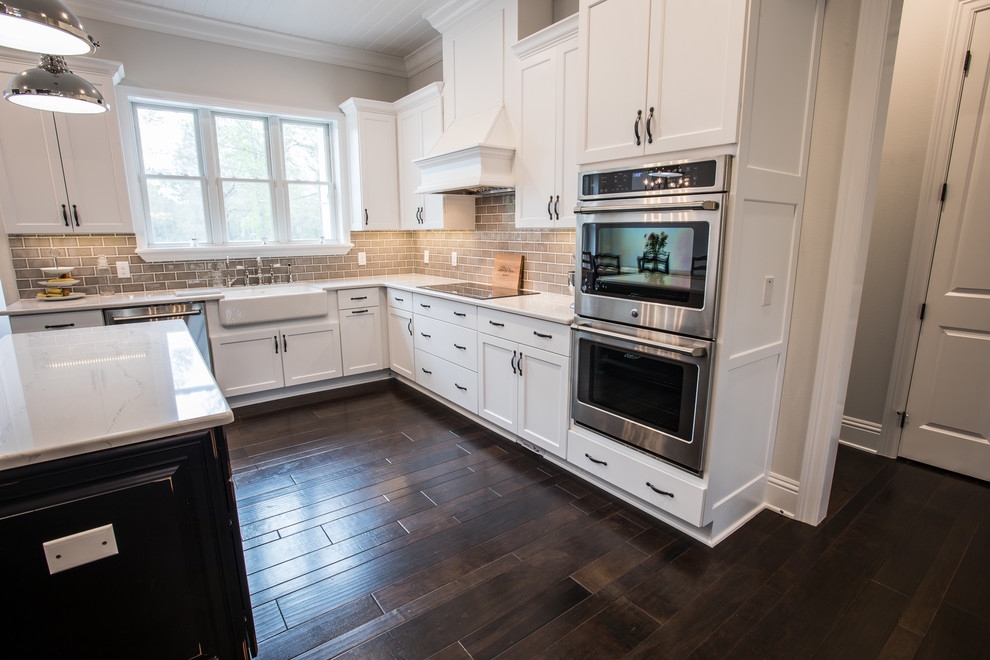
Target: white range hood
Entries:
(473, 156)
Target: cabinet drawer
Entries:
(353, 298)
(616, 465)
(89, 318)
(451, 342)
(398, 299)
(464, 314)
(553, 337)
(452, 382)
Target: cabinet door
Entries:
(249, 361)
(310, 352)
(379, 171)
(410, 140)
(616, 38)
(569, 102)
(693, 90)
(544, 399)
(498, 381)
(361, 340)
(538, 153)
(400, 342)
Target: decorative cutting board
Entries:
(507, 272)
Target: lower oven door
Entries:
(647, 389)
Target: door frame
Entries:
(935, 170)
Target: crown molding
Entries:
(548, 37)
(77, 63)
(178, 24)
(451, 12)
(424, 57)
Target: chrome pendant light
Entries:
(43, 26)
(51, 86)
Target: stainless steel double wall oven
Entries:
(648, 245)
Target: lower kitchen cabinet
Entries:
(400, 342)
(262, 359)
(524, 390)
(175, 586)
(90, 318)
(361, 340)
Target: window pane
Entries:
(248, 210)
(176, 210)
(168, 141)
(309, 212)
(243, 146)
(305, 152)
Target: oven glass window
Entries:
(643, 388)
(653, 262)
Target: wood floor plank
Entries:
(276, 552)
(970, 588)
(267, 621)
(611, 633)
(901, 645)
(311, 634)
(955, 634)
(865, 628)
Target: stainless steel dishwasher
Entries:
(193, 313)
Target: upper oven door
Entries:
(651, 263)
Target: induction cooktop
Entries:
(477, 291)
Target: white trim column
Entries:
(876, 42)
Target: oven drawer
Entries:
(399, 299)
(458, 313)
(549, 336)
(453, 343)
(454, 383)
(619, 466)
(351, 298)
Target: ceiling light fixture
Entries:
(51, 86)
(43, 26)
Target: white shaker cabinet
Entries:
(400, 333)
(362, 339)
(684, 93)
(62, 173)
(372, 164)
(420, 124)
(546, 158)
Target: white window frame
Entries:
(129, 98)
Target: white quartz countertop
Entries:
(69, 392)
(547, 306)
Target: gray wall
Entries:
(433, 73)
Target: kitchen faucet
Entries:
(231, 280)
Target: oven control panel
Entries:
(664, 179)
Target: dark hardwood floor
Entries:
(379, 524)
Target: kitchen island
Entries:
(117, 517)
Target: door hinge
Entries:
(945, 188)
(924, 306)
(969, 57)
(904, 417)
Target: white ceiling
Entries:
(381, 35)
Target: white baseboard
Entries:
(782, 494)
(860, 433)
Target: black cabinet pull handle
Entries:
(649, 131)
(75, 214)
(285, 344)
(460, 388)
(360, 298)
(594, 460)
(366, 211)
(556, 207)
(639, 118)
(541, 335)
(519, 363)
(409, 327)
(460, 314)
(512, 362)
(426, 335)
(65, 215)
(549, 204)
(497, 325)
(425, 371)
(424, 305)
(462, 348)
(658, 491)
(276, 344)
(60, 325)
(398, 299)
(360, 311)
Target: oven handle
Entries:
(697, 351)
(707, 205)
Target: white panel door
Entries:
(536, 182)
(949, 402)
(248, 362)
(400, 342)
(695, 73)
(361, 340)
(499, 381)
(569, 101)
(616, 39)
(379, 171)
(410, 140)
(310, 352)
(544, 396)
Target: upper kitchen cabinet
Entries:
(62, 173)
(546, 159)
(683, 94)
(372, 164)
(420, 124)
